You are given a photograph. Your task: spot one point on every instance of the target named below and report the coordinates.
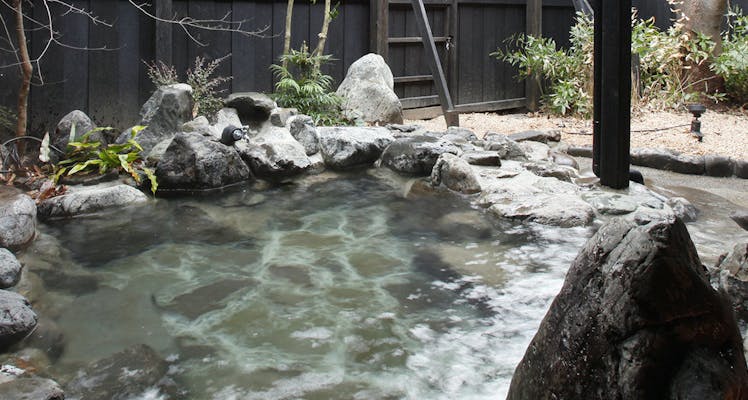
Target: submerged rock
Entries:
(31, 389)
(17, 319)
(274, 154)
(90, 199)
(635, 319)
(350, 147)
(10, 269)
(17, 218)
(194, 162)
(415, 155)
(128, 374)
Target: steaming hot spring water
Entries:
(336, 287)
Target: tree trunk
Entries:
(322, 36)
(287, 38)
(26, 70)
(703, 17)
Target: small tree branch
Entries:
(224, 24)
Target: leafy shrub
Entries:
(200, 77)
(732, 64)
(567, 75)
(93, 156)
(303, 86)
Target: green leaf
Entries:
(152, 178)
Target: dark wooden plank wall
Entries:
(407, 59)
(112, 84)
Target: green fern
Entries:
(306, 88)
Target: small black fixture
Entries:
(231, 134)
(697, 110)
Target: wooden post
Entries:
(612, 140)
(432, 57)
(452, 55)
(163, 32)
(534, 17)
(380, 16)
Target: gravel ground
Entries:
(725, 133)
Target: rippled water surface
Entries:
(335, 288)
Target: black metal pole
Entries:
(612, 114)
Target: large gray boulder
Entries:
(128, 374)
(82, 200)
(10, 269)
(349, 147)
(513, 192)
(17, 319)
(635, 319)
(367, 92)
(456, 174)
(416, 155)
(34, 388)
(163, 115)
(274, 154)
(17, 218)
(302, 128)
(252, 108)
(194, 162)
(83, 125)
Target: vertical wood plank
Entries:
(432, 57)
(103, 65)
(163, 36)
(534, 28)
(128, 73)
(453, 60)
(380, 12)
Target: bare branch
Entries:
(76, 10)
(224, 24)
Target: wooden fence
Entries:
(110, 85)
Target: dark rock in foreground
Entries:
(17, 218)
(635, 319)
(194, 162)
